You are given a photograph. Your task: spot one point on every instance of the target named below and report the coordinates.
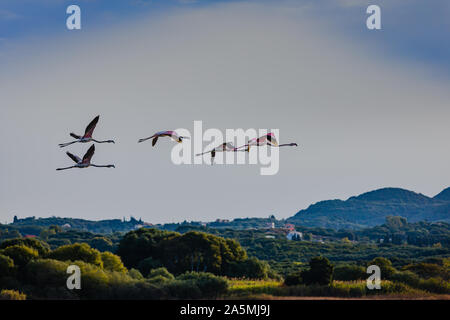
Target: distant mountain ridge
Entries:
(371, 208)
(443, 195)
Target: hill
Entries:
(371, 208)
(443, 195)
(33, 226)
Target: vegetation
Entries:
(12, 295)
(224, 263)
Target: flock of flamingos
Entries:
(85, 162)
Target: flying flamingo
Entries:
(86, 161)
(87, 137)
(268, 139)
(224, 147)
(171, 134)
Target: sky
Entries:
(369, 109)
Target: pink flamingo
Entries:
(224, 147)
(268, 139)
(86, 161)
(87, 137)
(171, 134)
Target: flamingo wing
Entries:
(75, 135)
(90, 128)
(87, 157)
(74, 157)
(261, 140)
(229, 147)
(272, 140)
(164, 133)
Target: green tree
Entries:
(395, 222)
(135, 274)
(77, 251)
(191, 251)
(293, 279)
(6, 266)
(101, 244)
(320, 272)
(112, 262)
(41, 247)
(140, 244)
(46, 273)
(385, 265)
(20, 254)
(429, 270)
(251, 268)
(349, 273)
(159, 275)
(146, 265)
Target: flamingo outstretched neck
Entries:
(168, 133)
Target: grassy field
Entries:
(270, 289)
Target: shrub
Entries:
(210, 285)
(251, 268)
(293, 279)
(112, 262)
(46, 273)
(41, 247)
(385, 265)
(162, 272)
(434, 285)
(135, 274)
(12, 295)
(102, 244)
(349, 273)
(20, 254)
(428, 270)
(183, 290)
(6, 266)
(77, 251)
(407, 277)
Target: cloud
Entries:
(362, 120)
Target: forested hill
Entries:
(444, 195)
(34, 226)
(371, 208)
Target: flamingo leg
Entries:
(144, 139)
(62, 145)
(66, 168)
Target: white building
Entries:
(294, 235)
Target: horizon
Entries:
(231, 219)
